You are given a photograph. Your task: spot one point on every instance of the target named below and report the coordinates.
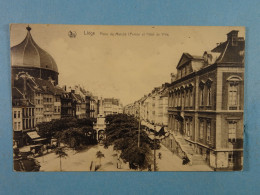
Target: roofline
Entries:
(21, 66)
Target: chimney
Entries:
(233, 33)
(232, 37)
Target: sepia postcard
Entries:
(127, 98)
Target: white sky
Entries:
(124, 67)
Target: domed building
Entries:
(29, 57)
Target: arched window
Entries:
(186, 97)
(191, 95)
(201, 85)
(234, 85)
(209, 92)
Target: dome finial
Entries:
(28, 28)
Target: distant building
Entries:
(206, 105)
(111, 106)
(152, 109)
(66, 105)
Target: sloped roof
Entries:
(231, 53)
(17, 94)
(186, 57)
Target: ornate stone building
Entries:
(29, 57)
(35, 94)
(206, 106)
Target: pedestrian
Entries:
(185, 160)
(160, 155)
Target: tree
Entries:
(122, 132)
(100, 155)
(60, 151)
(71, 131)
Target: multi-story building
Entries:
(112, 106)
(206, 105)
(34, 83)
(93, 106)
(78, 105)
(22, 115)
(66, 105)
(152, 109)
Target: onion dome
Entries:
(28, 54)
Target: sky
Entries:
(124, 62)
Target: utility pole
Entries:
(154, 150)
(139, 127)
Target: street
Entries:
(81, 161)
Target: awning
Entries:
(33, 135)
(150, 126)
(158, 128)
(143, 123)
(39, 139)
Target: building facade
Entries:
(152, 109)
(111, 106)
(206, 106)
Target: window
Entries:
(187, 99)
(209, 96)
(173, 99)
(190, 132)
(191, 98)
(201, 129)
(201, 93)
(183, 99)
(15, 125)
(14, 114)
(176, 100)
(208, 130)
(233, 95)
(232, 128)
(201, 96)
(179, 99)
(19, 125)
(231, 159)
(233, 92)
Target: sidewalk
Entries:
(171, 162)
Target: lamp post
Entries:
(139, 126)
(139, 129)
(154, 149)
